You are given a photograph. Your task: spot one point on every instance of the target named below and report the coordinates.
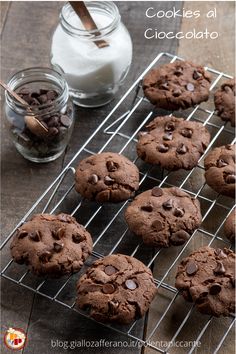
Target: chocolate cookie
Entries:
(51, 245)
(181, 84)
(173, 143)
(230, 226)
(220, 169)
(163, 216)
(106, 177)
(207, 277)
(116, 288)
(225, 101)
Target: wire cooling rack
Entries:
(118, 133)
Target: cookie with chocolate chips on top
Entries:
(181, 84)
(224, 99)
(207, 278)
(51, 245)
(163, 216)
(107, 177)
(173, 143)
(116, 288)
(220, 170)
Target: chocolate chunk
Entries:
(59, 233)
(168, 136)
(45, 256)
(162, 148)
(178, 212)
(113, 307)
(108, 180)
(53, 122)
(196, 75)
(22, 234)
(230, 179)
(58, 246)
(108, 288)
(219, 269)
(93, 179)
(65, 120)
(182, 149)
(177, 92)
(168, 204)
(42, 99)
(187, 133)
(157, 225)
(221, 163)
(53, 131)
(164, 86)
(190, 87)
(52, 95)
(179, 237)
(215, 289)
(77, 238)
(35, 236)
(147, 208)
(191, 268)
(111, 166)
(157, 192)
(178, 71)
(109, 270)
(130, 284)
(170, 126)
(140, 134)
(220, 253)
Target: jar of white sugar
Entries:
(94, 73)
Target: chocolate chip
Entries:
(168, 136)
(53, 122)
(65, 120)
(186, 132)
(179, 237)
(219, 269)
(182, 149)
(22, 234)
(58, 246)
(108, 288)
(64, 218)
(215, 289)
(162, 148)
(147, 208)
(77, 238)
(51, 95)
(34, 102)
(190, 87)
(53, 131)
(113, 306)
(58, 234)
(168, 204)
(35, 236)
(93, 179)
(178, 71)
(178, 212)
(24, 91)
(191, 268)
(109, 270)
(43, 91)
(42, 99)
(196, 75)
(221, 163)
(164, 86)
(45, 256)
(157, 192)
(157, 224)
(220, 253)
(130, 284)
(177, 93)
(111, 166)
(230, 179)
(35, 94)
(170, 126)
(108, 180)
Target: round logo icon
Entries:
(15, 338)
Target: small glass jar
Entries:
(41, 130)
(93, 74)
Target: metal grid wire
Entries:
(113, 133)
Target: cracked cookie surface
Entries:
(220, 170)
(230, 226)
(181, 84)
(107, 177)
(224, 99)
(207, 277)
(173, 143)
(116, 288)
(163, 216)
(51, 245)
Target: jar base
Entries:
(91, 101)
(38, 159)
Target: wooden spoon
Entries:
(34, 125)
(81, 10)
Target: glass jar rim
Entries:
(109, 6)
(50, 74)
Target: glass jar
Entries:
(93, 74)
(41, 130)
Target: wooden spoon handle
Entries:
(81, 10)
(14, 94)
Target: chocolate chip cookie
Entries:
(207, 277)
(116, 288)
(163, 216)
(230, 226)
(225, 101)
(220, 170)
(173, 143)
(181, 84)
(51, 245)
(106, 177)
